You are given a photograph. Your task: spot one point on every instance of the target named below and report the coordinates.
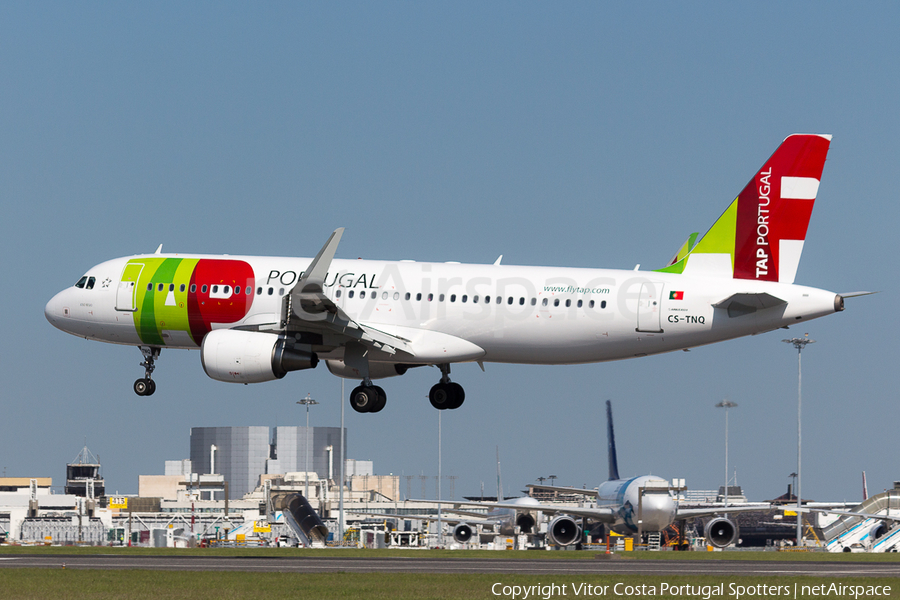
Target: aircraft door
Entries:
(649, 305)
(126, 296)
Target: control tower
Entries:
(83, 476)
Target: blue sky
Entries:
(581, 134)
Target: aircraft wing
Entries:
(307, 309)
(480, 520)
(603, 515)
(695, 513)
(850, 513)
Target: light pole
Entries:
(726, 404)
(341, 488)
(307, 402)
(440, 516)
(799, 344)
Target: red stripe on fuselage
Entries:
(203, 310)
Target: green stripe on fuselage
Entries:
(154, 315)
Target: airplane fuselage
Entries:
(499, 313)
(643, 500)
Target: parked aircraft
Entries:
(255, 319)
(645, 503)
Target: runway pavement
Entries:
(536, 566)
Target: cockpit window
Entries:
(90, 283)
(81, 282)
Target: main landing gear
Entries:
(367, 397)
(146, 386)
(446, 394)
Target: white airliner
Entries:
(256, 318)
(627, 506)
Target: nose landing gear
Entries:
(146, 386)
(446, 394)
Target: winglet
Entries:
(313, 279)
(611, 442)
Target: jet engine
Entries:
(721, 532)
(237, 356)
(462, 533)
(377, 370)
(563, 531)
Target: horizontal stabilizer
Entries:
(563, 490)
(747, 303)
(856, 294)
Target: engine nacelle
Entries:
(377, 370)
(563, 531)
(237, 356)
(462, 533)
(721, 532)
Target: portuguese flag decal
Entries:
(676, 295)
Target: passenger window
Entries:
(181, 288)
(430, 297)
(579, 303)
(204, 288)
(384, 296)
(407, 295)
(544, 302)
(149, 287)
(83, 280)
(281, 291)
(603, 304)
(193, 288)
(215, 289)
(452, 297)
(362, 294)
(90, 283)
(521, 301)
(441, 298)
(159, 287)
(464, 298)
(487, 299)
(337, 294)
(533, 301)
(259, 291)
(396, 295)
(556, 302)
(237, 290)
(350, 294)
(475, 299)
(591, 304)
(171, 287)
(568, 303)
(419, 296)
(271, 291)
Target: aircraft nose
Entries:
(53, 311)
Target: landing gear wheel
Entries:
(142, 387)
(151, 387)
(457, 393)
(364, 399)
(440, 396)
(382, 399)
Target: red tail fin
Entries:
(773, 211)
